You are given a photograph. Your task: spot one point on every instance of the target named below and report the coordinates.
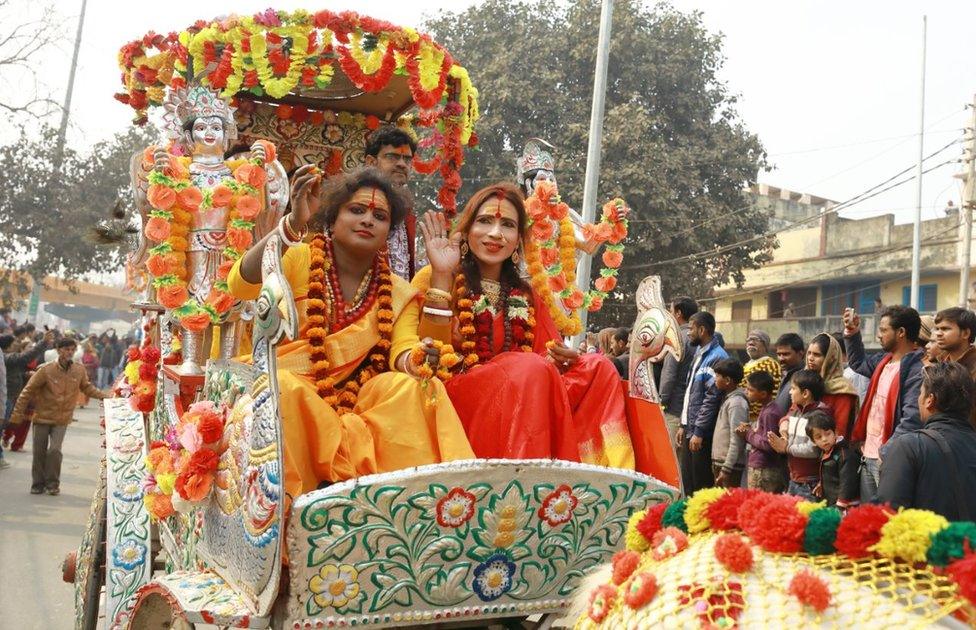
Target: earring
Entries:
(515, 257)
(464, 249)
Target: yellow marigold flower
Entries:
(908, 534)
(634, 539)
(698, 503)
(165, 482)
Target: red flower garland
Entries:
(368, 82)
(476, 329)
(860, 529)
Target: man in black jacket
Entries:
(934, 468)
(674, 373)
(16, 364)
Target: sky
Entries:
(831, 88)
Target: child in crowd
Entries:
(729, 447)
(839, 478)
(802, 455)
(766, 466)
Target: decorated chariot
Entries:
(190, 523)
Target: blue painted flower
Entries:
(129, 555)
(493, 577)
(129, 491)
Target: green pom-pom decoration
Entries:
(674, 516)
(821, 531)
(950, 543)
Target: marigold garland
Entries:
(141, 373)
(447, 360)
(476, 323)
(327, 311)
(174, 199)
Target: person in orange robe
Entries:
(522, 393)
(330, 432)
(824, 356)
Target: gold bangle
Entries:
(433, 293)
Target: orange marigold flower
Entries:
(239, 239)
(248, 207)
(612, 259)
(190, 198)
(157, 229)
(606, 284)
(196, 322)
(172, 296)
(220, 300)
(250, 174)
(221, 196)
(162, 197)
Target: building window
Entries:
(927, 297)
(742, 310)
(836, 297)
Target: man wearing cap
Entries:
(757, 348)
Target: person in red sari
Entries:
(521, 393)
(824, 356)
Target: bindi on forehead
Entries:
(371, 197)
(498, 208)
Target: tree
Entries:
(673, 144)
(48, 218)
(23, 41)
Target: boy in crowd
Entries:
(729, 447)
(802, 455)
(765, 464)
(839, 477)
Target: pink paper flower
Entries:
(190, 438)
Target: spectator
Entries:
(859, 382)
(935, 468)
(926, 331)
(674, 373)
(702, 402)
(621, 356)
(790, 353)
(891, 404)
(802, 455)
(757, 349)
(839, 478)
(955, 330)
(15, 365)
(89, 360)
(728, 446)
(3, 396)
(765, 464)
(54, 390)
(107, 360)
(789, 311)
(824, 357)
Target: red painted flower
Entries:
(640, 590)
(455, 508)
(557, 508)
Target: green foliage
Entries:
(673, 145)
(48, 216)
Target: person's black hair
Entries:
(952, 387)
(622, 334)
(730, 368)
(903, 317)
(704, 319)
(389, 136)
(6, 341)
(964, 318)
(809, 380)
(341, 188)
(64, 342)
(686, 306)
(792, 340)
(762, 381)
(822, 341)
(839, 338)
(820, 419)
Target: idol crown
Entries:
(186, 104)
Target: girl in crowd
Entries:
(344, 411)
(522, 392)
(824, 356)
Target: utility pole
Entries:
(917, 233)
(968, 205)
(595, 144)
(66, 109)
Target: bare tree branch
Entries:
(26, 35)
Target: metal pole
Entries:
(917, 233)
(596, 141)
(968, 203)
(63, 128)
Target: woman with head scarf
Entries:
(824, 355)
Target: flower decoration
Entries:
(557, 508)
(723, 513)
(130, 491)
(140, 374)
(718, 603)
(861, 529)
(447, 360)
(674, 515)
(601, 601)
(951, 543)
(778, 526)
(476, 316)
(821, 532)
(129, 555)
(650, 523)
(908, 534)
(298, 51)
(668, 542)
(455, 508)
(963, 573)
(335, 585)
(493, 577)
(734, 552)
(634, 539)
(811, 590)
(624, 563)
(696, 512)
(640, 590)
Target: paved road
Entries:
(36, 531)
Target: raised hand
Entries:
(443, 249)
(852, 322)
(305, 201)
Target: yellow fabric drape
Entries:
(396, 422)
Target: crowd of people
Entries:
(825, 420)
(45, 376)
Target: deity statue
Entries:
(221, 223)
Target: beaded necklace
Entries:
(476, 317)
(326, 307)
